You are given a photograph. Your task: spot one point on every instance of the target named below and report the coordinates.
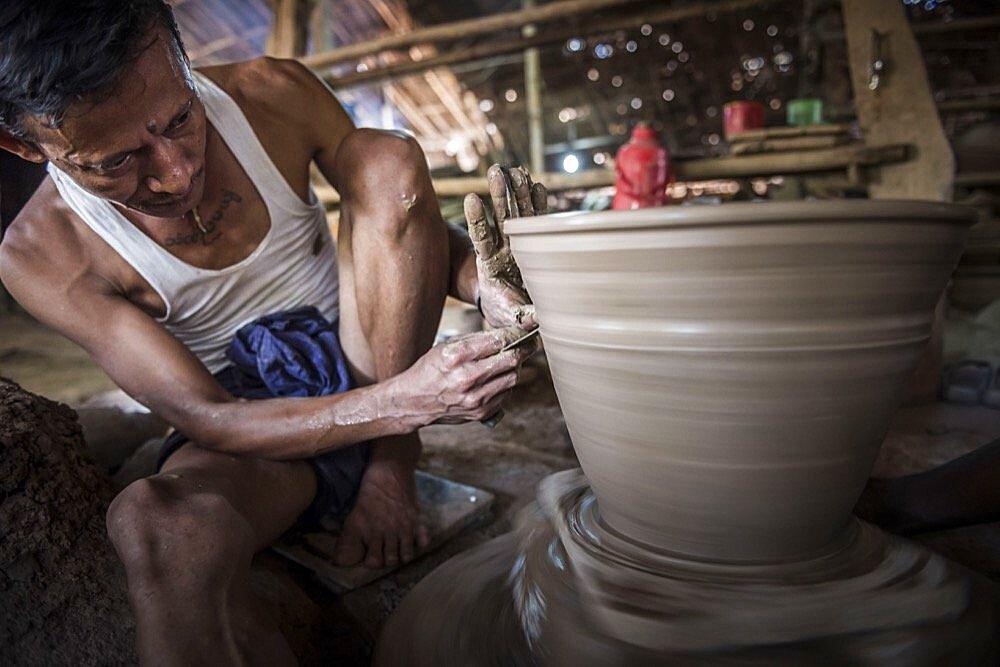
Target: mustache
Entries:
(163, 201)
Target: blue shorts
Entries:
(294, 353)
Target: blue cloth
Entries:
(294, 354)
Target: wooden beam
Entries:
(462, 30)
(553, 36)
(895, 105)
(772, 164)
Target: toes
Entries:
(406, 550)
(350, 548)
(390, 549)
(375, 560)
(423, 536)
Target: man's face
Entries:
(144, 145)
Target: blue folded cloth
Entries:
(291, 353)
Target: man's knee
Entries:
(385, 177)
(163, 535)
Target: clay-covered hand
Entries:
(462, 380)
(502, 296)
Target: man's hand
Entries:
(502, 297)
(462, 380)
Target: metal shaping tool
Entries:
(510, 346)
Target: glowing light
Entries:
(775, 104)
(683, 56)
(631, 46)
(486, 106)
(567, 114)
(571, 164)
(772, 30)
(491, 128)
(664, 39)
(603, 51)
(636, 103)
(510, 95)
(616, 81)
(748, 25)
(593, 74)
(783, 59)
(600, 158)
(621, 109)
(646, 29)
(711, 112)
(713, 139)
(677, 47)
(668, 95)
(575, 44)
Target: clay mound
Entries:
(62, 589)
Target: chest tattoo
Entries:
(210, 235)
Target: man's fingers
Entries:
(521, 183)
(539, 199)
(484, 238)
(498, 194)
(525, 317)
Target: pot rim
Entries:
(747, 213)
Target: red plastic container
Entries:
(642, 168)
(742, 116)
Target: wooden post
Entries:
(894, 103)
(288, 34)
(533, 100)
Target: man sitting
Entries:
(178, 241)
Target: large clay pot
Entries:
(727, 373)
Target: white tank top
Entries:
(205, 308)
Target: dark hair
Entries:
(54, 53)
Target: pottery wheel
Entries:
(866, 581)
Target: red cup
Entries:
(742, 116)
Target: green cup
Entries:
(804, 111)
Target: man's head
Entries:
(103, 90)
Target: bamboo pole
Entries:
(533, 100)
(461, 30)
(502, 47)
(703, 169)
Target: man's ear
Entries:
(20, 148)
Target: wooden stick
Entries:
(496, 48)
(786, 132)
(771, 164)
(462, 30)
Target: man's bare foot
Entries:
(384, 528)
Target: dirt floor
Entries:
(509, 461)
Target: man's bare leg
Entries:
(394, 272)
(187, 536)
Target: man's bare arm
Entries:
(52, 274)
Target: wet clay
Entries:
(62, 589)
(518, 600)
(727, 374)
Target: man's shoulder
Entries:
(42, 239)
(266, 85)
